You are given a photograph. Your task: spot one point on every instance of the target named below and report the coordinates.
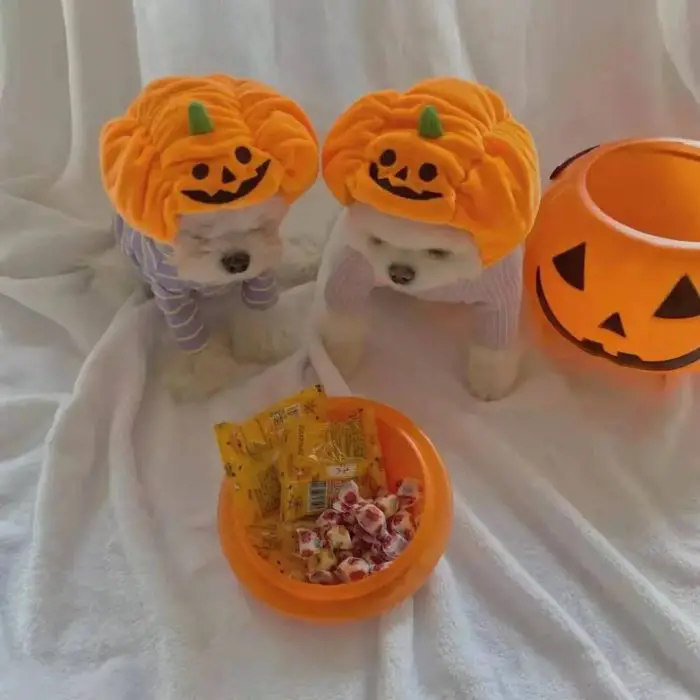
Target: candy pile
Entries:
(357, 536)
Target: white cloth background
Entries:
(574, 568)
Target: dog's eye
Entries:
(196, 235)
(439, 253)
(375, 241)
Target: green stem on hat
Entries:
(199, 121)
(429, 124)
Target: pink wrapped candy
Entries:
(356, 537)
(327, 519)
(371, 519)
(353, 569)
(348, 497)
(309, 543)
(389, 504)
(349, 518)
(408, 491)
(402, 523)
(393, 545)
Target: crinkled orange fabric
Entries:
(481, 175)
(154, 169)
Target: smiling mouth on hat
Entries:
(226, 196)
(399, 190)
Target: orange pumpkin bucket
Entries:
(612, 264)
(407, 453)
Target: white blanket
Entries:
(572, 571)
(574, 566)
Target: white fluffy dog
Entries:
(230, 253)
(202, 170)
(369, 249)
(440, 186)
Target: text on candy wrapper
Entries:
(342, 470)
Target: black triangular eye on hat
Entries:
(563, 166)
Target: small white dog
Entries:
(440, 187)
(369, 249)
(214, 253)
(204, 169)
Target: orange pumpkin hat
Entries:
(447, 151)
(189, 145)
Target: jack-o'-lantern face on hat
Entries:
(445, 152)
(193, 145)
(225, 180)
(613, 261)
(409, 167)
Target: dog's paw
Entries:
(344, 339)
(490, 374)
(196, 376)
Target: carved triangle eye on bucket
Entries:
(682, 302)
(571, 266)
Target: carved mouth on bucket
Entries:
(597, 349)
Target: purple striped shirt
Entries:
(179, 299)
(494, 296)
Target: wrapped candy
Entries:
(349, 518)
(408, 491)
(393, 545)
(371, 519)
(327, 519)
(338, 537)
(249, 450)
(388, 504)
(402, 524)
(357, 537)
(353, 569)
(348, 497)
(325, 560)
(309, 543)
(322, 577)
(325, 463)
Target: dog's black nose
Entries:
(401, 274)
(235, 263)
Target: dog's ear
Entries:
(563, 166)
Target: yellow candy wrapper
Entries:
(250, 450)
(319, 456)
(276, 543)
(267, 430)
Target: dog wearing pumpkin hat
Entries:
(201, 172)
(440, 186)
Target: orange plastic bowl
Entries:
(407, 453)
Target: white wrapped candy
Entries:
(338, 537)
(353, 569)
(309, 543)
